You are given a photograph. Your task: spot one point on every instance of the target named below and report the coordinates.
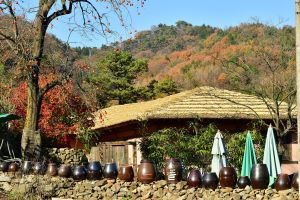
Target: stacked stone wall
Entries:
(18, 186)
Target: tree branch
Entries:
(10, 41)
(8, 5)
(7, 38)
(48, 87)
(63, 11)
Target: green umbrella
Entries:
(8, 117)
(249, 156)
(271, 158)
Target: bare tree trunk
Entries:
(31, 138)
(298, 75)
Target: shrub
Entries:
(193, 148)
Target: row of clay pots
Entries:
(26, 168)
(227, 176)
(173, 174)
(93, 172)
(260, 179)
(9, 167)
(284, 182)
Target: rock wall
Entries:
(44, 187)
(66, 156)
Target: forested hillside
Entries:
(253, 58)
(203, 55)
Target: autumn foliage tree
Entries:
(28, 46)
(267, 69)
(63, 110)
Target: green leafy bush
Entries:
(193, 148)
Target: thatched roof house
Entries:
(199, 103)
(121, 126)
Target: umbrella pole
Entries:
(297, 6)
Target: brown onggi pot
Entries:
(4, 166)
(295, 181)
(259, 176)
(194, 178)
(52, 169)
(13, 167)
(126, 173)
(228, 177)
(65, 171)
(243, 181)
(173, 170)
(210, 180)
(146, 171)
(282, 182)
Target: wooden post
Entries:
(297, 5)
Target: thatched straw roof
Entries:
(201, 102)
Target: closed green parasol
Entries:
(271, 158)
(8, 117)
(249, 156)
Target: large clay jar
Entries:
(146, 171)
(27, 167)
(65, 171)
(79, 173)
(259, 176)
(13, 167)
(295, 181)
(194, 178)
(228, 177)
(4, 166)
(39, 168)
(282, 182)
(126, 173)
(52, 169)
(210, 180)
(173, 170)
(243, 181)
(110, 171)
(94, 170)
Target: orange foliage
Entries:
(201, 57)
(176, 70)
(222, 79)
(185, 54)
(61, 109)
(220, 45)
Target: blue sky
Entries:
(219, 13)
